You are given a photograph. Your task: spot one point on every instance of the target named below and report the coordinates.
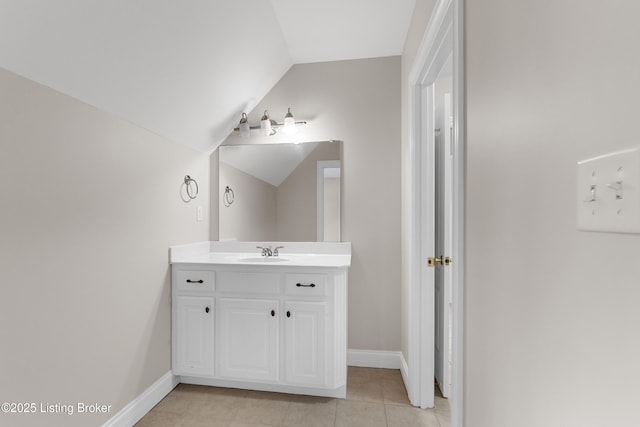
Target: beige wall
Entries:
(297, 198)
(551, 328)
(90, 204)
(359, 102)
(252, 215)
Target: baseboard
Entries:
(404, 370)
(380, 359)
(375, 359)
(141, 405)
(138, 407)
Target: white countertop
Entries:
(294, 254)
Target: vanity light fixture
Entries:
(268, 127)
(245, 129)
(289, 123)
(265, 124)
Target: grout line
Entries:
(378, 380)
(386, 419)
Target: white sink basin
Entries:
(264, 259)
(254, 260)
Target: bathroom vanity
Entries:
(246, 320)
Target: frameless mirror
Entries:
(280, 192)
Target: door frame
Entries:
(446, 22)
(321, 166)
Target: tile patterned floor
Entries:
(375, 397)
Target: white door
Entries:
(194, 335)
(247, 339)
(305, 343)
(425, 153)
(444, 242)
(422, 332)
(442, 41)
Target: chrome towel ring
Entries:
(228, 197)
(190, 184)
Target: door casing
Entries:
(444, 36)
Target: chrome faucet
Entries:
(266, 251)
(270, 252)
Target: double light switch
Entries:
(608, 197)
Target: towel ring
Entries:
(228, 197)
(188, 182)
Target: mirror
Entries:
(280, 192)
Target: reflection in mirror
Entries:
(328, 200)
(282, 192)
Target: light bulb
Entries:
(289, 123)
(245, 130)
(265, 124)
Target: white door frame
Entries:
(458, 175)
(445, 26)
(321, 166)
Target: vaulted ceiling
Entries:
(186, 69)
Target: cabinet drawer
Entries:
(195, 280)
(305, 284)
(248, 282)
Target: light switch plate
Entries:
(608, 196)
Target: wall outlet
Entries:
(608, 193)
(199, 213)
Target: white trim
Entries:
(141, 405)
(445, 26)
(427, 64)
(321, 166)
(431, 38)
(413, 252)
(404, 370)
(457, 379)
(375, 359)
(380, 359)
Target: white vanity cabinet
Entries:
(193, 322)
(269, 327)
(247, 337)
(305, 338)
(194, 335)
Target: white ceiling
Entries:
(187, 69)
(331, 30)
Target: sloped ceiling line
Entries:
(186, 70)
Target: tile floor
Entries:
(375, 397)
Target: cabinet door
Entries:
(194, 317)
(305, 343)
(247, 339)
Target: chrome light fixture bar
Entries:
(268, 126)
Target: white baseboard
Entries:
(138, 407)
(141, 405)
(375, 359)
(404, 370)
